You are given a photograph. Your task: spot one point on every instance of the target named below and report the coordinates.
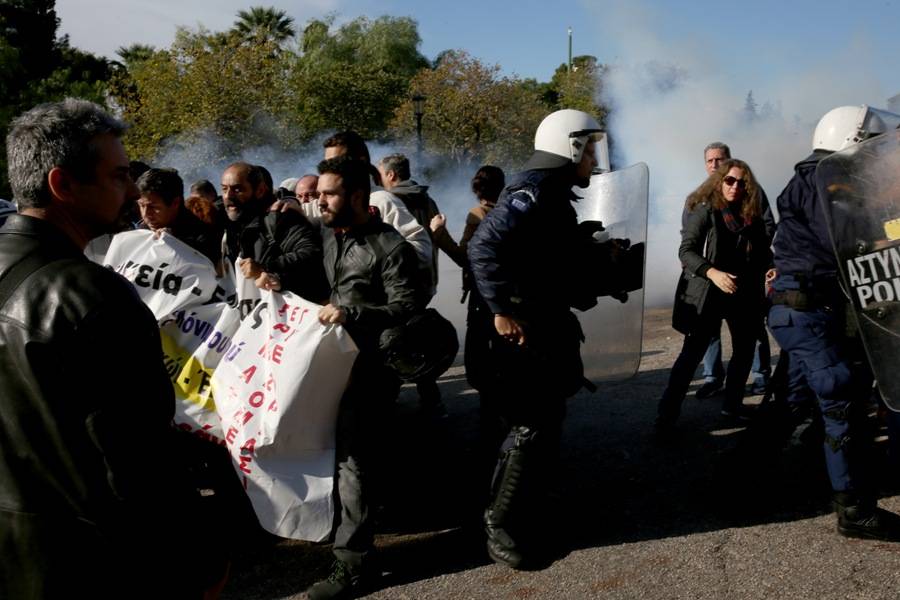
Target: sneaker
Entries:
(343, 582)
(868, 524)
(708, 389)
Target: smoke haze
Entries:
(670, 98)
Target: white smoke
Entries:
(669, 99)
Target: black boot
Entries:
(343, 582)
(506, 498)
(863, 519)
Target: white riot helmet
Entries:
(561, 137)
(845, 126)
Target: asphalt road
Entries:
(703, 515)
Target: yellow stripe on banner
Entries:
(191, 380)
(892, 229)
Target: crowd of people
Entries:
(80, 477)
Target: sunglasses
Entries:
(730, 181)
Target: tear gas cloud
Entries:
(669, 100)
(206, 155)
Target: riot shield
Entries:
(860, 189)
(613, 329)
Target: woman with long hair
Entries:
(725, 252)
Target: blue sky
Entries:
(761, 39)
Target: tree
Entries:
(37, 66)
(135, 53)
(750, 107)
(472, 113)
(356, 76)
(206, 84)
(264, 24)
(579, 87)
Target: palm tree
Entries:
(135, 53)
(264, 24)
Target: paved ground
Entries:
(695, 517)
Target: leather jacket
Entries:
(89, 486)
(375, 278)
(285, 244)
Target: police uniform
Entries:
(807, 319)
(523, 258)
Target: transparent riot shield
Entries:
(613, 329)
(860, 188)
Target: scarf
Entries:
(733, 221)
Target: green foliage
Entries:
(206, 84)
(264, 24)
(355, 76)
(251, 86)
(36, 66)
(135, 53)
(387, 43)
(579, 87)
(472, 114)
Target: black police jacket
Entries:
(802, 243)
(525, 254)
(375, 278)
(90, 487)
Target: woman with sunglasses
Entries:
(725, 252)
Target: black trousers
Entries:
(745, 322)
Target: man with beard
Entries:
(525, 261)
(93, 497)
(278, 250)
(372, 272)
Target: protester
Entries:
(373, 276)
(93, 497)
(205, 189)
(714, 155)
(305, 190)
(6, 208)
(163, 209)
(724, 253)
(391, 209)
(277, 250)
(487, 184)
(396, 179)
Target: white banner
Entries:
(168, 274)
(278, 399)
(267, 387)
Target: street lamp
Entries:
(419, 110)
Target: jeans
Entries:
(713, 371)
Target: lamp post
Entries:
(419, 110)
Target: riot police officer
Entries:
(523, 258)
(807, 318)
